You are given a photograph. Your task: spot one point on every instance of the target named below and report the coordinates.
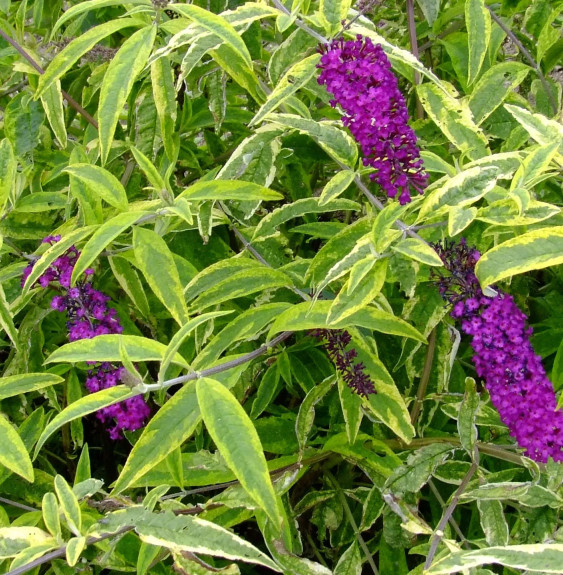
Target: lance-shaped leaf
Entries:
(294, 79)
(453, 117)
(229, 190)
(13, 454)
(7, 320)
(234, 434)
(156, 261)
(181, 335)
(8, 169)
(172, 425)
(478, 21)
(24, 383)
(530, 251)
(101, 182)
(118, 80)
(84, 406)
(107, 348)
(105, 234)
(217, 25)
(52, 100)
(534, 558)
(67, 57)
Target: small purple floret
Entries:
(358, 74)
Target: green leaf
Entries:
(543, 130)
(507, 213)
(351, 404)
(101, 238)
(534, 165)
(130, 283)
(67, 57)
(418, 250)
(52, 100)
(493, 87)
(52, 253)
(74, 548)
(294, 79)
(103, 183)
(388, 405)
(430, 9)
(478, 22)
(241, 284)
(185, 534)
(23, 119)
(530, 251)
(42, 202)
(332, 13)
(462, 190)
(180, 336)
(525, 493)
(156, 261)
(84, 406)
(232, 431)
(50, 511)
(217, 272)
(459, 217)
(7, 320)
(164, 94)
(88, 5)
(334, 141)
(306, 415)
(244, 327)
(346, 303)
(350, 562)
(118, 80)
(268, 224)
(453, 117)
(24, 383)
(216, 25)
(151, 173)
(69, 504)
(337, 185)
(13, 540)
(172, 425)
(307, 316)
(104, 348)
(534, 558)
(466, 419)
(228, 190)
(493, 522)
(13, 453)
(8, 170)
(419, 467)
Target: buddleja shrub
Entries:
(281, 287)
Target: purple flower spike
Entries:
(359, 75)
(88, 316)
(336, 341)
(504, 357)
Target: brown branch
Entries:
(72, 102)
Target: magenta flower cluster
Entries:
(335, 342)
(358, 74)
(89, 316)
(504, 357)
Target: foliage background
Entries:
(189, 153)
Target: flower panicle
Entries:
(352, 372)
(503, 355)
(359, 75)
(89, 316)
